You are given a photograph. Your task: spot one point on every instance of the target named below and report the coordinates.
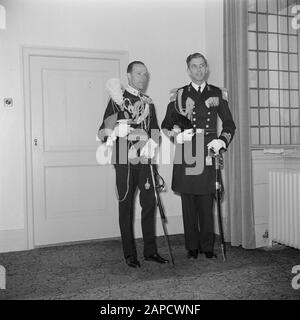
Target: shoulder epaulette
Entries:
(213, 88)
(223, 91)
(174, 92)
(224, 94)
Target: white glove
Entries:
(176, 129)
(148, 149)
(122, 130)
(185, 135)
(216, 145)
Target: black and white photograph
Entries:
(150, 153)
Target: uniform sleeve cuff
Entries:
(226, 137)
(223, 139)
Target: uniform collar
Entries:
(133, 91)
(196, 86)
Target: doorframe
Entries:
(26, 53)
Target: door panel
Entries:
(73, 197)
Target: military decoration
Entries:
(212, 102)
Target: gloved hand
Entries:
(216, 145)
(122, 129)
(185, 135)
(176, 129)
(148, 149)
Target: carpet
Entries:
(96, 270)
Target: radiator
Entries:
(284, 207)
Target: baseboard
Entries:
(16, 240)
(13, 240)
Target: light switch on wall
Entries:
(8, 102)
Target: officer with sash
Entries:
(191, 122)
(130, 126)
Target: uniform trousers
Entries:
(139, 176)
(198, 221)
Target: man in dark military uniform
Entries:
(200, 103)
(130, 119)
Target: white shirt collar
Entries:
(196, 86)
(132, 90)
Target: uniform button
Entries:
(208, 119)
(194, 119)
(194, 126)
(208, 113)
(194, 112)
(207, 126)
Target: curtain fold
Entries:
(239, 226)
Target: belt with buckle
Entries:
(206, 131)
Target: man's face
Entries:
(197, 70)
(138, 77)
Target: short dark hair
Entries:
(195, 55)
(131, 64)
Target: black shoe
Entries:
(192, 254)
(156, 258)
(210, 255)
(132, 262)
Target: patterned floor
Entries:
(96, 270)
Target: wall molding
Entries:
(16, 240)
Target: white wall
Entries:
(160, 33)
(214, 33)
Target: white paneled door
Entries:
(73, 197)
